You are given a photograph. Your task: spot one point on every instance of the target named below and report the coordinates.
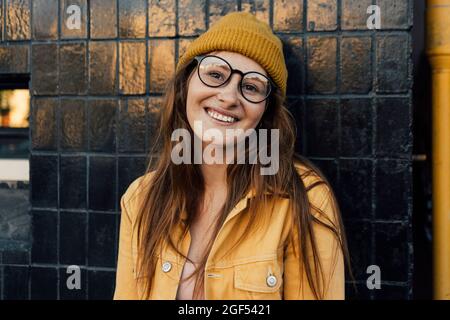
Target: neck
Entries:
(215, 176)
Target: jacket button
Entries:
(166, 266)
(271, 281)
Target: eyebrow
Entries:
(225, 66)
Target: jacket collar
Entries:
(241, 205)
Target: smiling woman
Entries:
(224, 230)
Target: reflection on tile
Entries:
(161, 63)
(153, 117)
(219, 8)
(14, 58)
(392, 62)
(73, 19)
(102, 125)
(260, 8)
(322, 15)
(191, 17)
(17, 20)
(43, 125)
(132, 67)
(45, 19)
(102, 67)
(288, 15)
(73, 125)
(295, 62)
(1, 20)
(395, 13)
(183, 45)
(132, 19)
(103, 19)
(131, 136)
(354, 14)
(356, 65)
(72, 68)
(321, 69)
(161, 18)
(44, 75)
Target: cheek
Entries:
(254, 114)
(194, 95)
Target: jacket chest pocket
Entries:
(259, 279)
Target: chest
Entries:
(201, 233)
(241, 274)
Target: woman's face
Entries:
(204, 103)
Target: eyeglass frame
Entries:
(199, 60)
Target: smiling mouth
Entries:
(220, 117)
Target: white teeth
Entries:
(220, 117)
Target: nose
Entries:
(229, 92)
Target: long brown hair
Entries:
(180, 188)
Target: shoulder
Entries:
(318, 189)
(136, 193)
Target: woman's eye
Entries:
(250, 88)
(216, 75)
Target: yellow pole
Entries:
(438, 49)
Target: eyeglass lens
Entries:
(215, 72)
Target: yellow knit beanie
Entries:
(241, 32)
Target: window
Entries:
(14, 127)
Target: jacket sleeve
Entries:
(125, 283)
(296, 286)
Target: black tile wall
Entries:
(14, 59)
(68, 10)
(44, 178)
(73, 119)
(354, 16)
(72, 68)
(67, 292)
(73, 174)
(16, 280)
(45, 20)
(44, 233)
(101, 24)
(102, 68)
(43, 283)
(102, 240)
(101, 285)
(95, 102)
(17, 19)
(43, 128)
(321, 65)
(72, 238)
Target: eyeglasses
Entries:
(214, 72)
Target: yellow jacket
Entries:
(261, 267)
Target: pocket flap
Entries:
(258, 276)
